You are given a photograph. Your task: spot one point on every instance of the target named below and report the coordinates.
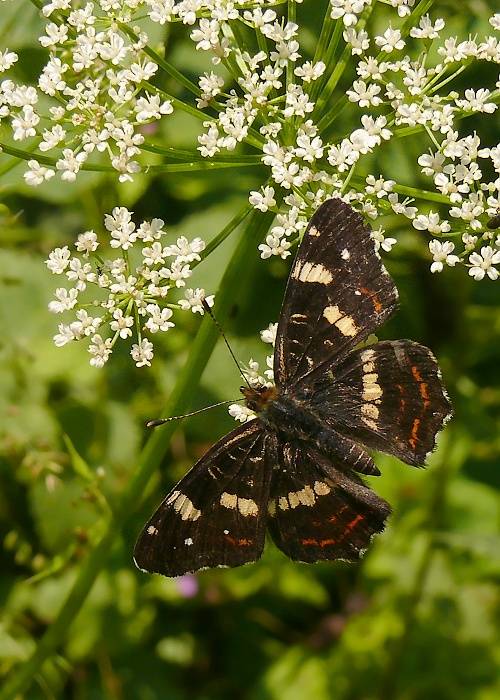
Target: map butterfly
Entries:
(294, 469)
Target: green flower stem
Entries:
(190, 156)
(324, 37)
(199, 165)
(152, 454)
(195, 166)
(328, 55)
(50, 162)
(413, 192)
(226, 231)
(292, 16)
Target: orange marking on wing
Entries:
(416, 373)
(239, 542)
(414, 433)
(424, 393)
(402, 402)
(312, 541)
(350, 526)
(374, 298)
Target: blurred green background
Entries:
(418, 618)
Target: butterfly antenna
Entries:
(219, 328)
(162, 421)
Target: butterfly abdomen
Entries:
(293, 421)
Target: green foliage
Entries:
(417, 619)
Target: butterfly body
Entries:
(294, 468)
(294, 419)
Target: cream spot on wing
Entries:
(228, 500)
(347, 326)
(173, 497)
(283, 503)
(152, 530)
(271, 507)
(369, 410)
(188, 542)
(371, 389)
(332, 314)
(306, 496)
(308, 272)
(185, 507)
(313, 231)
(321, 488)
(345, 254)
(368, 367)
(344, 323)
(367, 355)
(247, 507)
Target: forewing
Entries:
(388, 396)
(317, 511)
(338, 293)
(216, 515)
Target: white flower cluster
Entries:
(120, 296)
(96, 79)
(278, 95)
(282, 103)
(254, 376)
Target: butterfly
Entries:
(294, 469)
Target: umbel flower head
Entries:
(98, 100)
(131, 296)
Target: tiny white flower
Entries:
(64, 336)
(240, 412)
(87, 243)
(7, 60)
(64, 300)
(121, 227)
(442, 254)
(58, 260)
(184, 250)
(158, 318)
(153, 255)
(495, 21)
(482, 264)
(37, 173)
(142, 353)
(121, 324)
(263, 200)
(268, 335)
(390, 40)
(381, 241)
(193, 300)
(100, 350)
(431, 223)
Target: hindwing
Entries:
(388, 396)
(337, 294)
(215, 515)
(319, 511)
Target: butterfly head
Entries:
(257, 398)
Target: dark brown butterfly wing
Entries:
(338, 293)
(317, 510)
(216, 514)
(388, 397)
